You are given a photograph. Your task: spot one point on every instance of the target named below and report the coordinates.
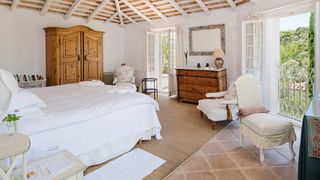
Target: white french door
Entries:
(252, 47)
(162, 59)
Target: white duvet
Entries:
(75, 112)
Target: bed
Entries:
(95, 123)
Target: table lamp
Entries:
(218, 54)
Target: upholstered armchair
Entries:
(262, 128)
(124, 75)
(219, 106)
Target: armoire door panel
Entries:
(92, 65)
(70, 73)
(70, 58)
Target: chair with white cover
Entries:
(263, 129)
(124, 77)
(219, 106)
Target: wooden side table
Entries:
(11, 146)
(146, 89)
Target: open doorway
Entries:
(296, 72)
(161, 58)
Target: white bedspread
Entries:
(74, 111)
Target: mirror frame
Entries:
(199, 28)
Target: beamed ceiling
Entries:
(124, 11)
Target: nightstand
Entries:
(11, 146)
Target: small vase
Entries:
(12, 128)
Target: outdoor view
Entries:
(296, 64)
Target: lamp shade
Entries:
(218, 53)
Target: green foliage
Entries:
(11, 118)
(297, 63)
(165, 53)
(311, 47)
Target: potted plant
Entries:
(10, 120)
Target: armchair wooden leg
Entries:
(213, 125)
(201, 114)
(261, 155)
(293, 154)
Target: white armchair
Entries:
(124, 76)
(219, 106)
(264, 129)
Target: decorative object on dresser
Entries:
(30, 81)
(204, 39)
(11, 147)
(194, 83)
(218, 55)
(73, 54)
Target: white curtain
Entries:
(178, 60)
(271, 64)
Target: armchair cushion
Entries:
(246, 111)
(267, 124)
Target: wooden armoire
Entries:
(73, 54)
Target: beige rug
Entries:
(183, 132)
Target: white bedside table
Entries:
(11, 147)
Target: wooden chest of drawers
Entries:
(193, 84)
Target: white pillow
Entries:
(9, 80)
(23, 99)
(5, 95)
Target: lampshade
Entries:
(218, 53)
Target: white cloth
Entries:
(91, 83)
(215, 109)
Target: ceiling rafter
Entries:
(130, 19)
(119, 12)
(96, 11)
(151, 6)
(137, 11)
(111, 18)
(178, 8)
(74, 6)
(45, 7)
(232, 4)
(203, 7)
(14, 4)
(255, 1)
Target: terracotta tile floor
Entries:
(222, 158)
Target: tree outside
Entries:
(296, 70)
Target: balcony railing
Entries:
(295, 90)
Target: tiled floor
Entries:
(222, 158)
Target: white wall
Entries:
(22, 40)
(136, 43)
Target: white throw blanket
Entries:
(91, 83)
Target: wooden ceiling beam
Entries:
(203, 7)
(178, 8)
(14, 4)
(232, 4)
(96, 11)
(137, 11)
(151, 6)
(73, 7)
(112, 17)
(45, 7)
(130, 19)
(119, 12)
